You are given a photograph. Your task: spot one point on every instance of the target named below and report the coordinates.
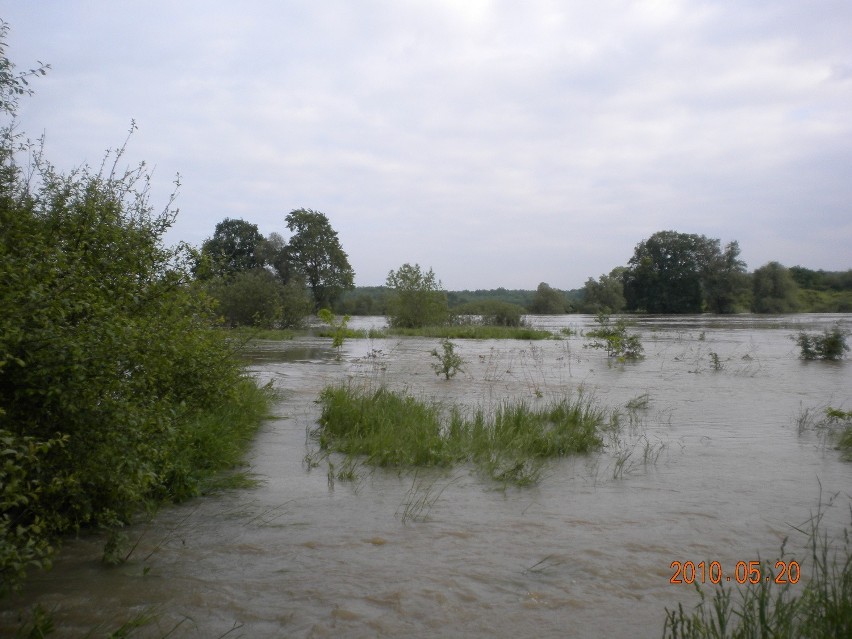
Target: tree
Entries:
(314, 251)
(774, 290)
(548, 301)
(236, 246)
(726, 283)
(606, 294)
(672, 272)
(416, 298)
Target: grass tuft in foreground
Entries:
(509, 444)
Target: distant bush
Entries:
(831, 345)
(492, 313)
(415, 298)
(258, 298)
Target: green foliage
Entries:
(831, 345)
(109, 369)
(314, 251)
(822, 280)
(774, 290)
(362, 300)
(518, 297)
(258, 298)
(682, 273)
(449, 362)
(467, 331)
(509, 444)
(615, 339)
(606, 294)
(549, 301)
(416, 298)
(236, 246)
(337, 326)
(489, 313)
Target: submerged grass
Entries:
(509, 443)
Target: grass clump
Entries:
(822, 608)
(510, 443)
(390, 429)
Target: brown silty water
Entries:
(711, 466)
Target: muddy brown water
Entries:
(712, 467)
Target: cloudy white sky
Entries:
(502, 143)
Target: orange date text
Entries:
(752, 572)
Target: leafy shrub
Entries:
(337, 326)
(831, 345)
(109, 369)
(615, 339)
(449, 363)
(492, 312)
(416, 298)
(258, 298)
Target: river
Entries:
(710, 465)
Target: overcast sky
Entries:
(500, 143)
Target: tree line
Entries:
(270, 282)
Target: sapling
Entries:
(449, 362)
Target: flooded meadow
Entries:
(713, 461)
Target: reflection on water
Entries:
(709, 466)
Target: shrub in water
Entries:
(615, 339)
(831, 345)
(449, 363)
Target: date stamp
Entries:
(752, 572)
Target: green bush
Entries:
(109, 368)
(615, 339)
(449, 362)
(831, 345)
(415, 299)
(258, 298)
(492, 313)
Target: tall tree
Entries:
(605, 294)
(670, 272)
(236, 246)
(774, 289)
(416, 298)
(548, 301)
(314, 251)
(726, 283)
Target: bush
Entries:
(449, 362)
(831, 345)
(416, 298)
(258, 298)
(492, 312)
(108, 364)
(615, 339)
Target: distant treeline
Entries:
(372, 300)
(814, 291)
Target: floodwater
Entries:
(710, 467)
